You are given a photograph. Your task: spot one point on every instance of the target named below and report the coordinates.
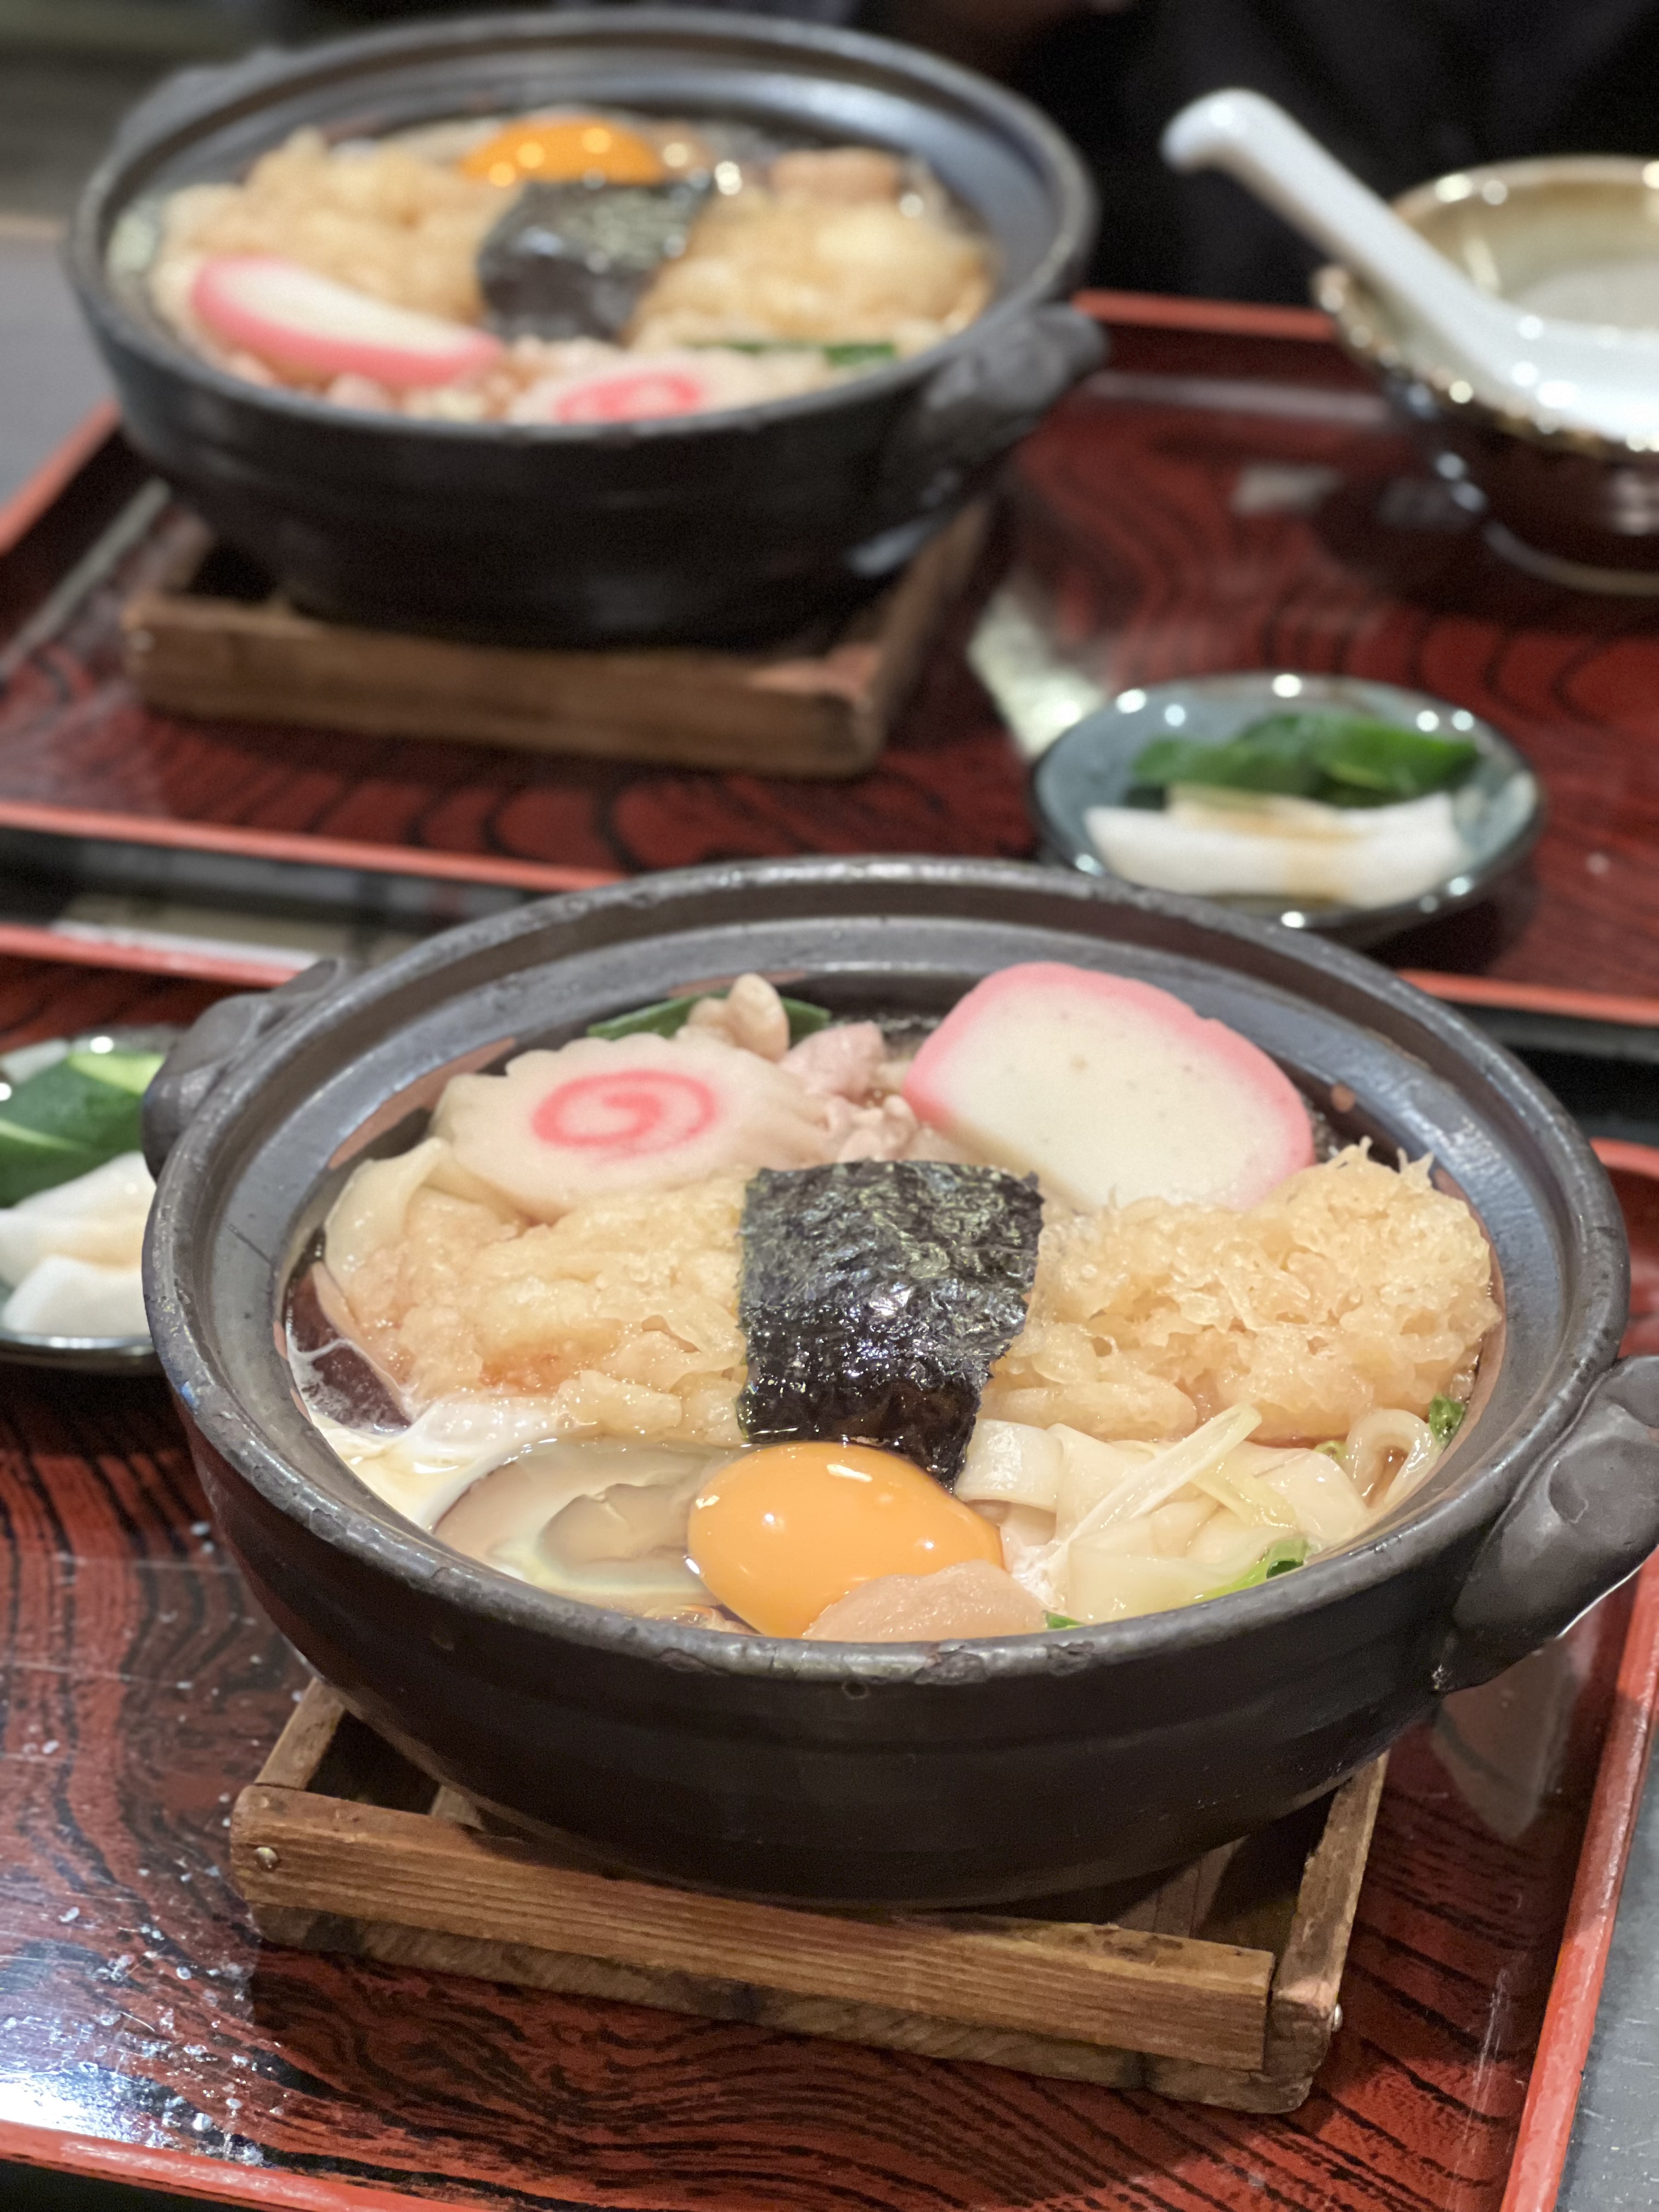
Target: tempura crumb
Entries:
(628, 1305)
(1353, 1286)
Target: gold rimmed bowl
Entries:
(1572, 237)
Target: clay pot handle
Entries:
(213, 1045)
(971, 412)
(1585, 1519)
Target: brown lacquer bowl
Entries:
(719, 528)
(943, 1774)
(1575, 236)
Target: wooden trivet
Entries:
(1220, 1985)
(192, 649)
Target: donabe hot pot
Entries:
(726, 527)
(943, 1774)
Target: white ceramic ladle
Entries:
(1588, 376)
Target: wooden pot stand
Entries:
(1218, 1985)
(822, 709)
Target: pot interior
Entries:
(255, 1174)
(998, 159)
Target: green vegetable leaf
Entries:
(1375, 759)
(1278, 1559)
(1060, 1621)
(1445, 1418)
(1286, 769)
(70, 1117)
(668, 1015)
(30, 1160)
(860, 353)
(847, 353)
(804, 1020)
(125, 1071)
(661, 1020)
(1343, 760)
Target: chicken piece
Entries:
(751, 1016)
(843, 1061)
(848, 176)
(758, 268)
(972, 1598)
(884, 1132)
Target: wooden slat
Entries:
(824, 714)
(700, 1997)
(303, 1744)
(1097, 1985)
(1302, 2012)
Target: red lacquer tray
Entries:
(1230, 493)
(145, 2038)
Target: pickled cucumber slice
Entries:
(32, 1160)
(71, 1118)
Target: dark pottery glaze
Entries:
(718, 528)
(949, 1774)
(1561, 500)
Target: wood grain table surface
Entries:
(144, 2035)
(1230, 493)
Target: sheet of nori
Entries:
(876, 1296)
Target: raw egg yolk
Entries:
(781, 1534)
(561, 147)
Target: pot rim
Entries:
(105, 199)
(396, 1547)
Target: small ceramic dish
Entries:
(1498, 811)
(1573, 237)
(85, 1355)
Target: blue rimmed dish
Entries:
(1497, 811)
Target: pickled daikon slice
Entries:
(295, 319)
(1110, 1090)
(596, 1116)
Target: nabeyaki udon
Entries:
(766, 1322)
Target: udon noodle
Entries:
(561, 268)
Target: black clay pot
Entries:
(724, 528)
(947, 1774)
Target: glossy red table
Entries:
(143, 2034)
(1229, 494)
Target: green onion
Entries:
(660, 1020)
(1278, 1559)
(1060, 1621)
(1342, 760)
(1445, 1418)
(668, 1015)
(859, 353)
(846, 353)
(123, 1071)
